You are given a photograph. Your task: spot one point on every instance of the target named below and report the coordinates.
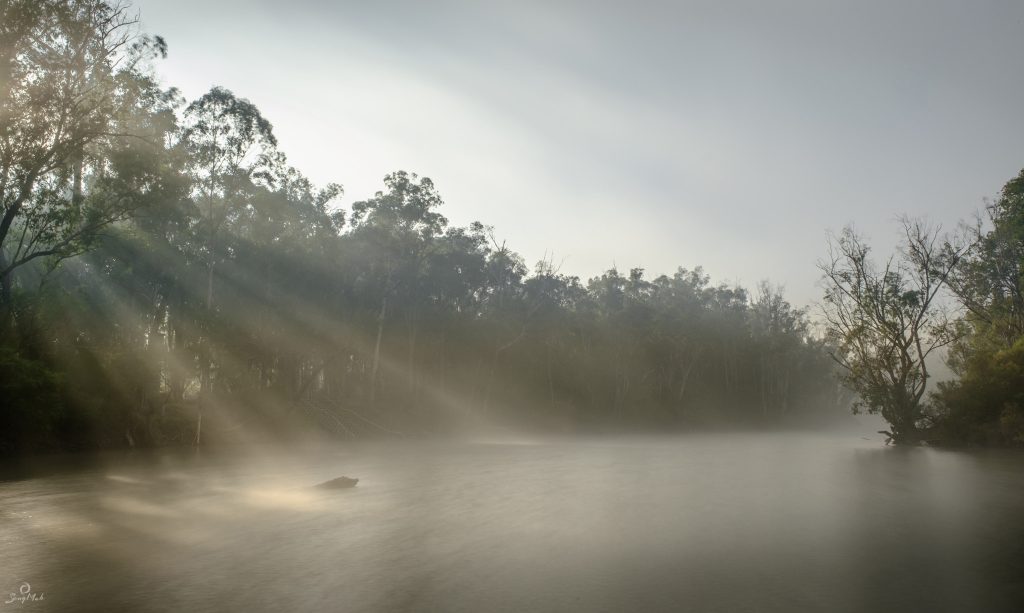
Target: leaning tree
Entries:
(74, 85)
(883, 323)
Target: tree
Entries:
(232, 155)
(989, 282)
(778, 331)
(209, 274)
(682, 303)
(399, 229)
(232, 150)
(884, 323)
(73, 80)
(986, 404)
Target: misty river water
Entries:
(738, 522)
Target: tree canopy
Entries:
(162, 264)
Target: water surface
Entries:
(753, 522)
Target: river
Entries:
(710, 522)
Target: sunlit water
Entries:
(793, 522)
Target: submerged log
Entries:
(337, 484)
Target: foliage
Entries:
(170, 279)
(32, 405)
(986, 404)
(884, 323)
(76, 103)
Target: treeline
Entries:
(168, 278)
(985, 404)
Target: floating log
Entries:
(337, 484)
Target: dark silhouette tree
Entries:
(884, 323)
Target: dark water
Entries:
(703, 523)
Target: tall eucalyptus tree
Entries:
(74, 87)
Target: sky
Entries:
(728, 135)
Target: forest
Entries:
(168, 278)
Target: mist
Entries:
(570, 307)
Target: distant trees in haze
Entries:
(168, 278)
(229, 295)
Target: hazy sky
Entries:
(653, 134)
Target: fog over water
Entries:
(768, 522)
(529, 306)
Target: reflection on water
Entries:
(701, 523)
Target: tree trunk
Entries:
(490, 378)
(551, 383)
(685, 381)
(784, 392)
(411, 367)
(209, 285)
(376, 349)
(764, 387)
(76, 180)
(6, 296)
(443, 362)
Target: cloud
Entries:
(660, 133)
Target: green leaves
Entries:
(884, 323)
(985, 405)
(75, 98)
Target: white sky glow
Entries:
(724, 134)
